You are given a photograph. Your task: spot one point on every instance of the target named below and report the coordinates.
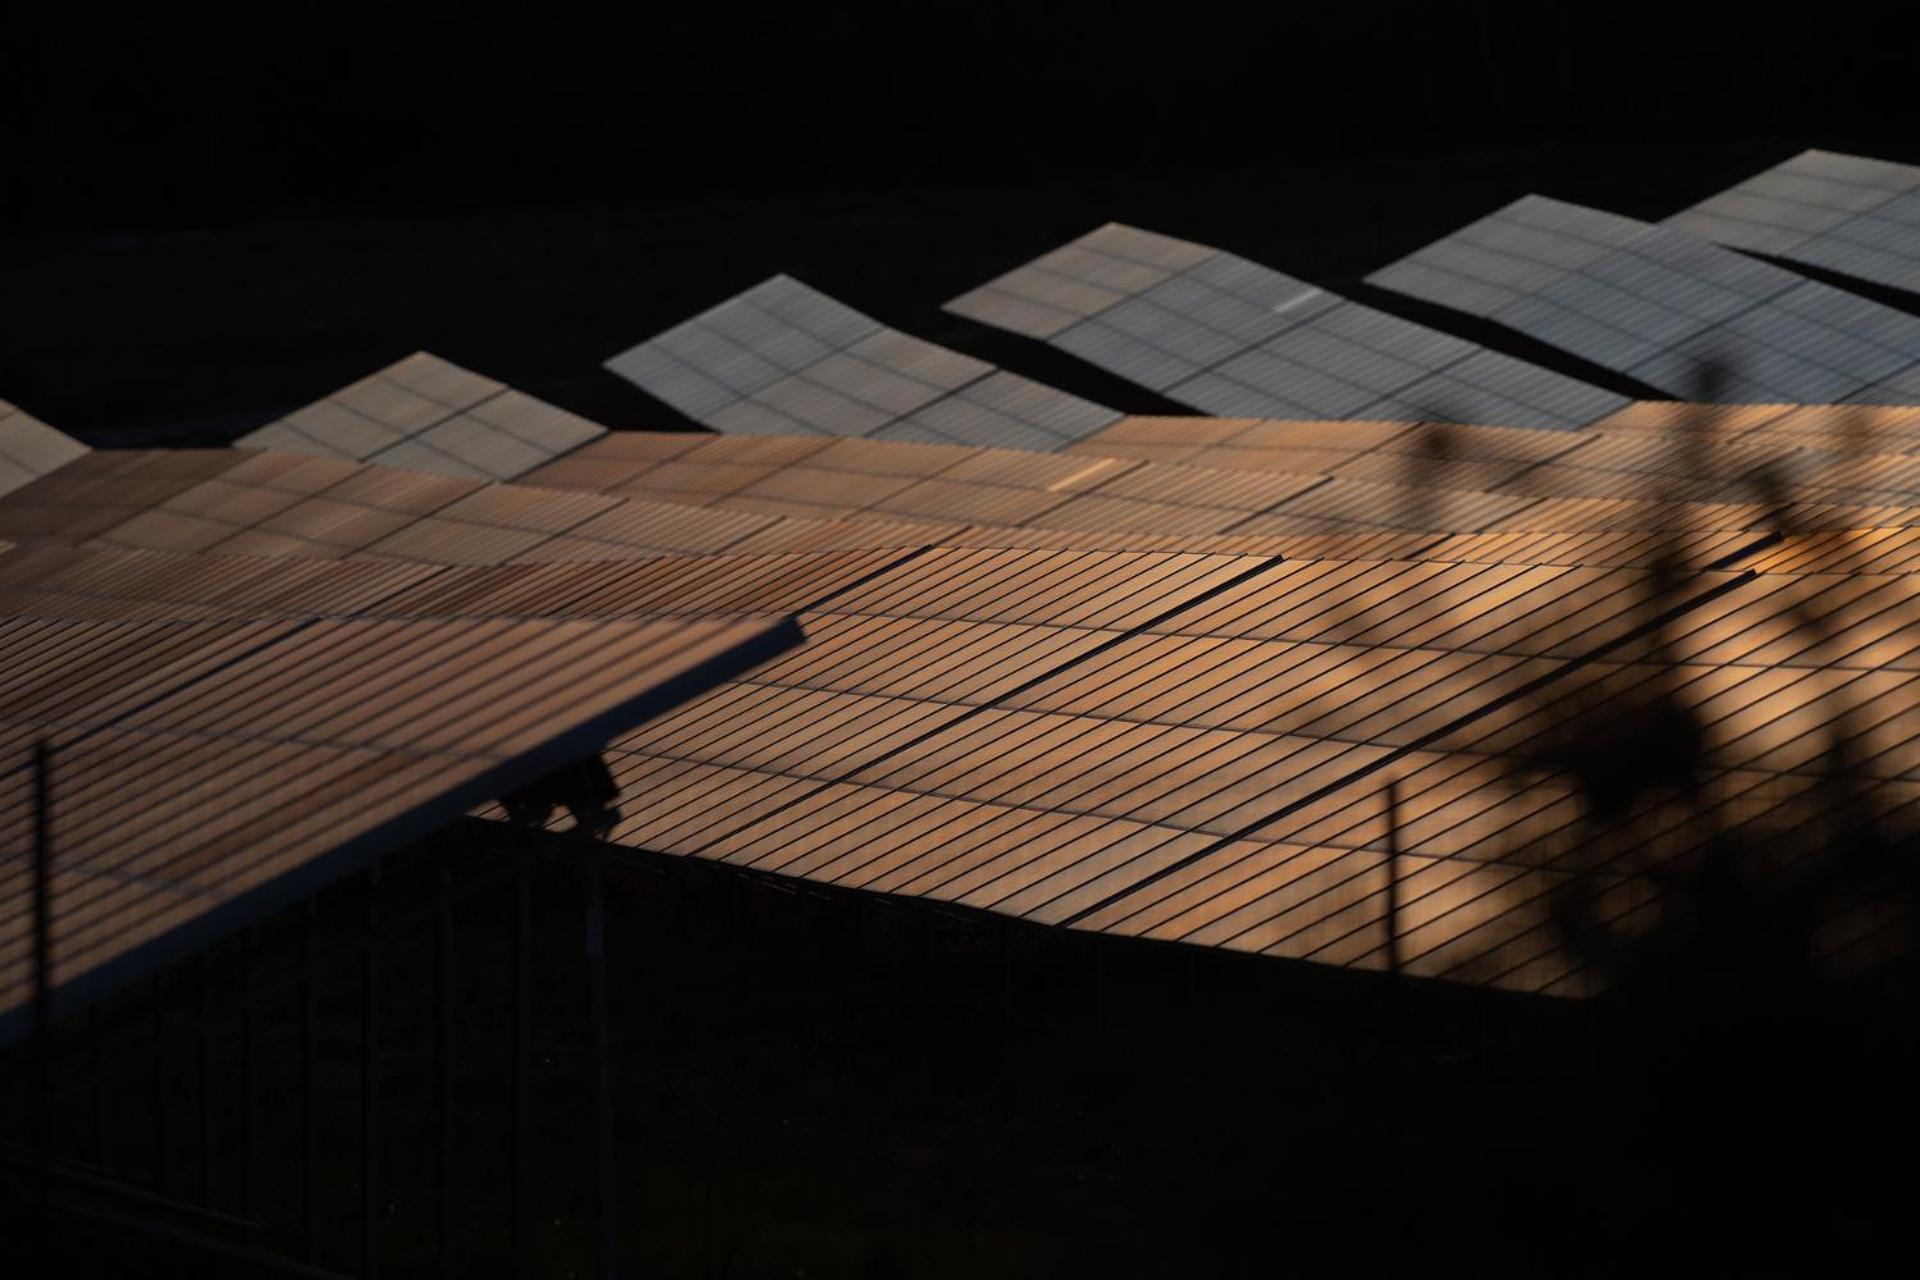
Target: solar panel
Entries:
(871, 494)
(263, 503)
(1073, 490)
(1700, 462)
(205, 772)
(1210, 722)
(425, 414)
(1846, 213)
(782, 359)
(1231, 337)
(1666, 307)
(1192, 746)
(30, 448)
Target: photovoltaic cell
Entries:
(783, 359)
(1662, 305)
(425, 414)
(1846, 213)
(1231, 337)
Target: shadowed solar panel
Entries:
(1231, 337)
(782, 359)
(206, 771)
(425, 414)
(1700, 462)
(30, 448)
(1666, 307)
(1845, 213)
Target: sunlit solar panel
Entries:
(1846, 213)
(425, 414)
(210, 770)
(1184, 746)
(29, 448)
(1234, 338)
(1666, 307)
(782, 359)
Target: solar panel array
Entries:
(1075, 491)
(679, 493)
(1232, 337)
(1853, 462)
(239, 502)
(425, 414)
(1374, 691)
(30, 448)
(1845, 213)
(1667, 307)
(783, 359)
(209, 768)
(1195, 747)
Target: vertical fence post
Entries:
(522, 1060)
(602, 1070)
(250, 1087)
(42, 969)
(207, 1134)
(310, 1088)
(97, 1049)
(443, 1063)
(1393, 876)
(162, 1090)
(370, 1082)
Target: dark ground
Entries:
(826, 1085)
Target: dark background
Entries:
(213, 219)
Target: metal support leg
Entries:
(42, 970)
(1393, 877)
(602, 1070)
(522, 1063)
(162, 1092)
(250, 1089)
(370, 1083)
(206, 1086)
(443, 1065)
(100, 1154)
(310, 1092)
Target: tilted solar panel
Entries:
(1193, 746)
(30, 448)
(782, 359)
(1081, 489)
(1666, 307)
(1846, 213)
(206, 771)
(425, 414)
(1845, 461)
(1232, 337)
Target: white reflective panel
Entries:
(29, 448)
(1227, 336)
(785, 359)
(427, 414)
(1850, 214)
(1669, 308)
